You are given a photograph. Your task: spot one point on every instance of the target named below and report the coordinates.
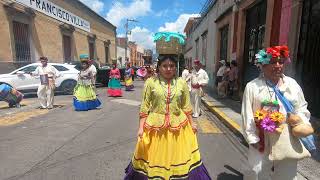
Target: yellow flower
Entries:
(277, 117)
(260, 114)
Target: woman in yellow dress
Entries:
(167, 146)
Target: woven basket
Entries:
(171, 47)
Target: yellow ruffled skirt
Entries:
(166, 154)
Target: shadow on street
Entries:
(235, 175)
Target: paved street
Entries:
(62, 144)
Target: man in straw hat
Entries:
(199, 79)
(47, 74)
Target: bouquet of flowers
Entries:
(269, 121)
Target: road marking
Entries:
(21, 117)
(127, 101)
(208, 127)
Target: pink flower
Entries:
(268, 125)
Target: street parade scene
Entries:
(163, 90)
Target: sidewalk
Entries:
(228, 111)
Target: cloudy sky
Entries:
(152, 16)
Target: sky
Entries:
(152, 16)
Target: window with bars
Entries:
(197, 48)
(224, 42)
(67, 48)
(91, 50)
(21, 42)
(204, 48)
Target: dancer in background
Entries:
(84, 93)
(114, 85)
(128, 78)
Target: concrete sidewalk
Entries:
(228, 111)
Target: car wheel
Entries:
(68, 86)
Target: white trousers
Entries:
(264, 169)
(195, 101)
(45, 96)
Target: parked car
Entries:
(21, 80)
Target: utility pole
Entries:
(127, 32)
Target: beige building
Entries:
(60, 30)
(202, 39)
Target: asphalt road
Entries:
(62, 144)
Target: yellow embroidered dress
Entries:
(169, 147)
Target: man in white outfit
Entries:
(186, 75)
(47, 74)
(258, 91)
(199, 79)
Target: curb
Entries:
(230, 123)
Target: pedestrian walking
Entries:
(224, 83)
(47, 74)
(233, 78)
(128, 78)
(167, 146)
(199, 79)
(186, 75)
(274, 117)
(114, 85)
(85, 97)
(220, 72)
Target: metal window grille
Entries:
(22, 42)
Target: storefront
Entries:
(60, 30)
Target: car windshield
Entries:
(60, 68)
(28, 69)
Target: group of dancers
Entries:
(85, 97)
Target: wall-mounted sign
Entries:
(50, 9)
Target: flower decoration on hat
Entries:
(263, 57)
(276, 52)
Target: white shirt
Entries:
(256, 91)
(93, 70)
(221, 71)
(50, 70)
(187, 76)
(200, 77)
(86, 77)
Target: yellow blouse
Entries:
(165, 104)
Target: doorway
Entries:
(67, 48)
(254, 39)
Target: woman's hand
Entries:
(140, 132)
(194, 127)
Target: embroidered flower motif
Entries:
(268, 125)
(260, 114)
(263, 57)
(277, 117)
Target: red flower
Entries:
(273, 51)
(284, 51)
